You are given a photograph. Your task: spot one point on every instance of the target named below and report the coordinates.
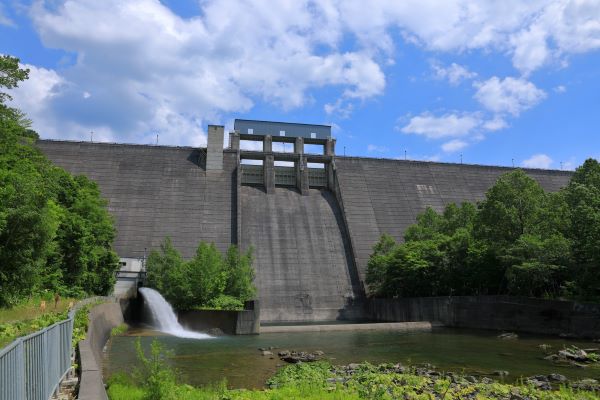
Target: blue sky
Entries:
(499, 83)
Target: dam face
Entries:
(311, 218)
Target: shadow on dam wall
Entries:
(304, 268)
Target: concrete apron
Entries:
(383, 326)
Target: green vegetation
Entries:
(519, 240)
(208, 280)
(119, 330)
(10, 331)
(156, 381)
(55, 231)
(81, 322)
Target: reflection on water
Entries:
(237, 359)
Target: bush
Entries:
(225, 302)
(208, 280)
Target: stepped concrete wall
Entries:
(304, 268)
(385, 196)
(156, 191)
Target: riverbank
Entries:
(321, 380)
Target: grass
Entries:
(27, 318)
(119, 330)
(31, 309)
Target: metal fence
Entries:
(32, 367)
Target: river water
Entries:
(238, 360)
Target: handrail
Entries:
(32, 366)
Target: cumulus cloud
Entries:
(448, 125)
(193, 71)
(454, 73)
(141, 68)
(508, 95)
(462, 128)
(537, 161)
(454, 145)
(495, 124)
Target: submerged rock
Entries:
(501, 373)
(294, 357)
(215, 332)
(539, 382)
(575, 356)
(557, 378)
(284, 353)
(586, 384)
(508, 336)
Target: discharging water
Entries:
(164, 318)
(238, 360)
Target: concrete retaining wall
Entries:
(103, 318)
(245, 322)
(504, 313)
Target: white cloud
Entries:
(495, 124)
(4, 19)
(509, 95)
(533, 33)
(537, 161)
(560, 89)
(372, 148)
(530, 50)
(342, 108)
(194, 70)
(448, 125)
(149, 69)
(454, 73)
(454, 145)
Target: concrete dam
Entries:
(311, 216)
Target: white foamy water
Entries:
(164, 317)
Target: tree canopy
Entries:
(519, 240)
(210, 279)
(55, 231)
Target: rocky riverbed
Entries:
(427, 382)
(553, 381)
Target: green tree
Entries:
(55, 231)
(511, 208)
(240, 274)
(519, 240)
(583, 198)
(167, 272)
(206, 280)
(208, 275)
